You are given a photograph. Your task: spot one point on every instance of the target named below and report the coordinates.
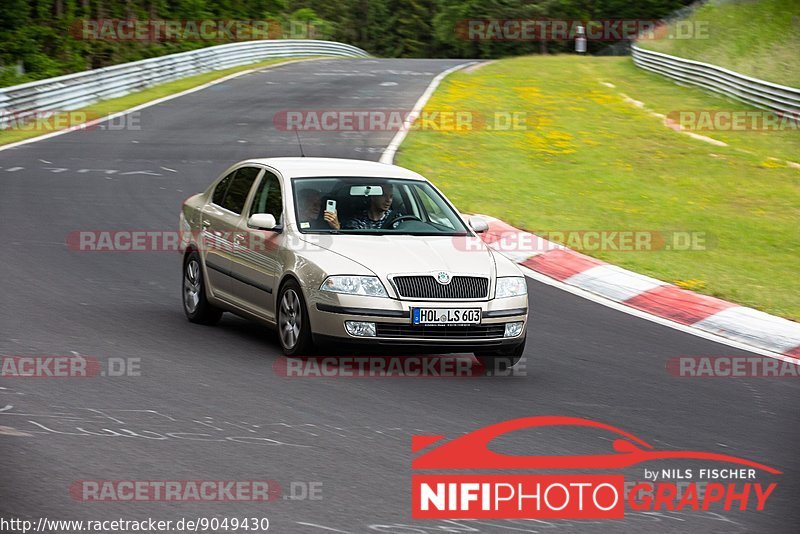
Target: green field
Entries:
(590, 159)
(758, 38)
(107, 107)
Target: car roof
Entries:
(311, 167)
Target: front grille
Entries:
(441, 332)
(426, 287)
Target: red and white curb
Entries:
(779, 337)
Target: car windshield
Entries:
(358, 205)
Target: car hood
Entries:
(398, 254)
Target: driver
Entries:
(377, 214)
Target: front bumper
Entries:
(328, 313)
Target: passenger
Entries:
(310, 207)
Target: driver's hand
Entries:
(332, 220)
(393, 224)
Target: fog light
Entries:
(513, 329)
(362, 329)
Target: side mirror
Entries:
(478, 224)
(263, 221)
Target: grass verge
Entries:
(759, 39)
(591, 159)
(108, 107)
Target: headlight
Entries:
(369, 286)
(512, 286)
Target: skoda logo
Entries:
(443, 278)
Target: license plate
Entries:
(445, 316)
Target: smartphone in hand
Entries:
(331, 206)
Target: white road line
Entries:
(633, 102)
(148, 173)
(391, 150)
(703, 138)
(323, 527)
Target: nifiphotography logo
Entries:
(724, 483)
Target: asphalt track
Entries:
(211, 394)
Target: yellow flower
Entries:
(691, 284)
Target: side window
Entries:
(268, 198)
(237, 192)
(222, 186)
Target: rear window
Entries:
(222, 187)
(235, 195)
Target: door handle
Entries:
(206, 223)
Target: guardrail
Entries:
(74, 91)
(781, 99)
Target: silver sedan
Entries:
(335, 250)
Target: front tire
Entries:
(195, 303)
(294, 328)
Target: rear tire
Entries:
(501, 360)
(294, 327)
(195, 303)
